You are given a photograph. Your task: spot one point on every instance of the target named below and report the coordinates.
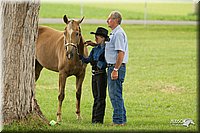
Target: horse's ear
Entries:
(65, 19)
(81, 20)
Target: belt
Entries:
(95, 72)
(110, 65)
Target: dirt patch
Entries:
(171, 89)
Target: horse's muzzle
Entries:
(69, 55)
(71, 49)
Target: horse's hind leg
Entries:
(79, 81)
(61, 96)
(38, 68)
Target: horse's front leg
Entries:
(61, 96)
(79, 81)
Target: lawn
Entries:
(160, 85)
(155, 11)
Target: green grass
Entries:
(155, 11)
(160, 84)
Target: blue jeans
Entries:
(115, 89)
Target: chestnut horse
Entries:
(59, 51)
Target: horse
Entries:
(59, 51)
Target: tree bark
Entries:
(195, 7)
(19, 28)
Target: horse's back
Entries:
(47, 47)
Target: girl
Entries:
(99, 75)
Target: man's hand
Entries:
(90, 43)
(114, 75)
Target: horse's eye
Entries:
(64, 33)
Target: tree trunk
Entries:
(195, 7)
(20, 27)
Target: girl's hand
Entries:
(90, 43)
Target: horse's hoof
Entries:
(79, 118)
(59, 120)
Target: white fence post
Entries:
(145, 13)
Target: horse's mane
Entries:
(82, 49)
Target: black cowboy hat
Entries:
(102, 32)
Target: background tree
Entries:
(20, 27)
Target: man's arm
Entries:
(119, 60)
(120, 57)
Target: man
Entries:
(116, 54)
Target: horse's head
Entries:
(72, 36)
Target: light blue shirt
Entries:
(118, 41)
